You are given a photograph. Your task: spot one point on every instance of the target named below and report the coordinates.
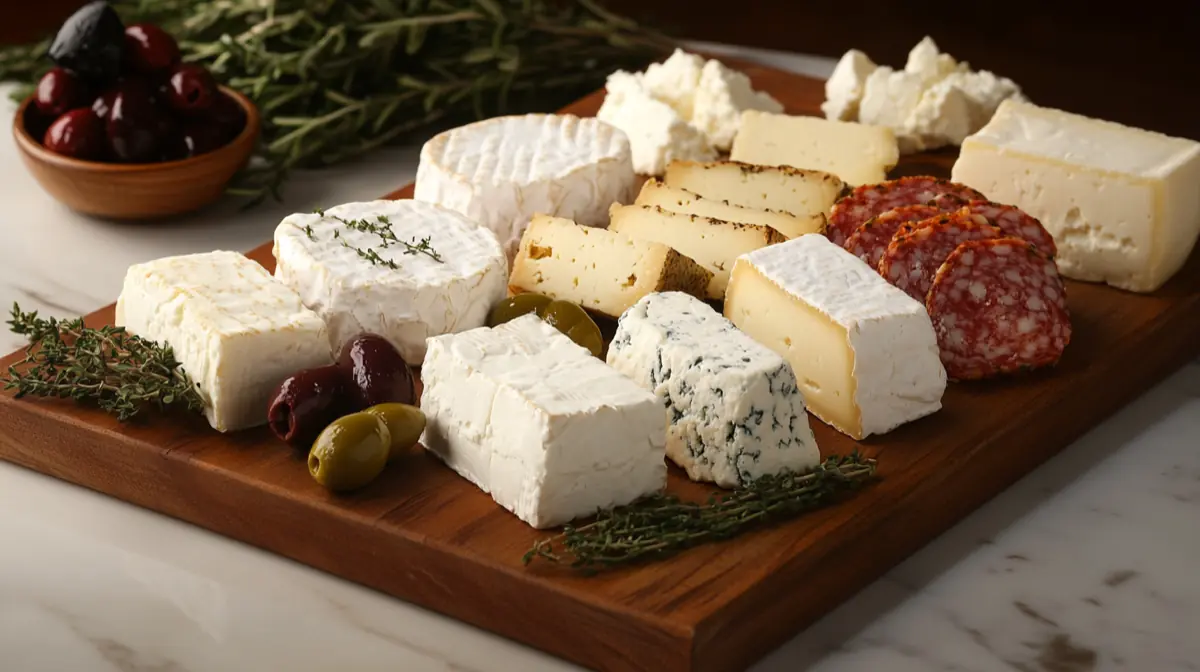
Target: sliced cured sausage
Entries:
(870, 200)
(914, 255)
(998, 306)
(1011, 219)
(872, 238)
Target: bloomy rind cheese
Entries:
(712, 243)
(734, 410)
(1122, 203)
(784, 188)
(864, 352)
(600, 270)
(673, 199)
(551, 432)
(235, 330)
(856, 153)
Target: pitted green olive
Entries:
(405, 423)
(351, 452)
(515, 306)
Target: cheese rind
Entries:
(864, 352)
(734, 411)
(1122, 203)
(655, 192)
(499, 172)
(599, 269)
(656, 131)
(713, 243)
(856, 153)
(791, 190)
(235, 330)
(551, 432)
(319, 257)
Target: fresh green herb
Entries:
(308, 231)
(121, 373)
(662, 525)
(333, 79)
(382, 229)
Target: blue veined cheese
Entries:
(236, 331)
(864, 353)
(551, 432)
(402, 296)
(734, 410)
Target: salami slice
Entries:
(872, 238)
(914, 256)
(869, 200)
(998, 306)
(1012, 220)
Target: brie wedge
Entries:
(551, 432)
(359, 267)
(235, 330)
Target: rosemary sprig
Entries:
(662, 525)
(121, 373)
(336, 78)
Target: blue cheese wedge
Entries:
(405, 270)
(236, 331)
(551, 432)
(864, 352)
(734, 410)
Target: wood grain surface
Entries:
(425, 535)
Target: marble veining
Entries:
(1087, 564)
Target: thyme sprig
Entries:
(662, 525)
(121, 373)
(336, 78)
(382, 229)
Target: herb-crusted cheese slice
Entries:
(672, 199)
(551, 432)
(856, 153)
(235, 330)
(599, 269)
(734, 410)
(500, 172)
(713, 243)
(356, 266)
(864, 352)
(792, 190)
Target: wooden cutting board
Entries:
(425, 535)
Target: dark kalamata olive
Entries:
(202, 137)
(135, 123)
(306, 403)
(103, 103)
(90, 43)
(226, 115)
(377, 372)
(150, 49)
(59, 91)
(77, 134)
(191, 89)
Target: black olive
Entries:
(90, 43)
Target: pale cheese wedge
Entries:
(857, 153)
(792, 190)
(600, 270)
(672, 199)
(713, 243)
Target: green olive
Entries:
(573, 321)
(350, 452)
(516, 306)
(405, 423)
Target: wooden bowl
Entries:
(137, 191)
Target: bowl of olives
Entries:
(120, 127)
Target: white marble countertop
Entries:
(1089, 563)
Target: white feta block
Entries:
(235, 330)
(551, 432)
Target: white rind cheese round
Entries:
(404, 296)
(500, 172)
